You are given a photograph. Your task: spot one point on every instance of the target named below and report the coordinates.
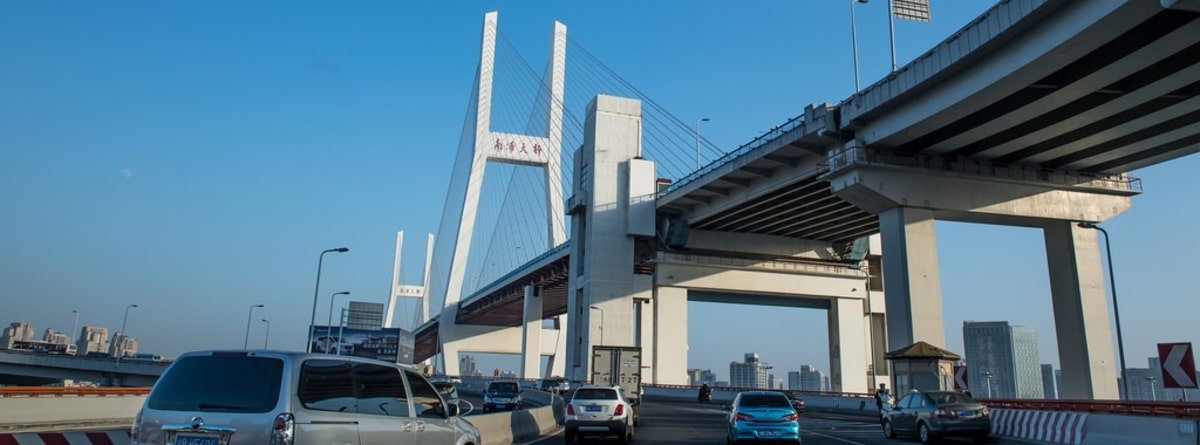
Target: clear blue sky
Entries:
(194, 158)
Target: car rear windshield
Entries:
(503, 388)
(219, 383)
(946, 398)
(764, 401)
(596, 394)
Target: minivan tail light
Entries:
(136, 429)
(741, 416)
(620, 409)
(283, 430)
(570, 409)
(791, 416)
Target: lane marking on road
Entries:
(552, 434)
(839, 439)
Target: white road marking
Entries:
(552, 434)
(839, 439)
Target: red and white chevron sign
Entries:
(961, 382)
(1178, 365)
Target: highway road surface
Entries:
(670, 422)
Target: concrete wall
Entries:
(69, 412)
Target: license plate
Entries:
(768, 434)
(595, 409)
(182, 439)
(966, 414)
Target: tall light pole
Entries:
(988, 375)
(267, 335)
(1112, 284)
(246, 342)
(329, 322)
(698, 121)
(870, 322)
(601, 323)
(854, 41)
(1153, 394)
(121, 345)
(317, 288)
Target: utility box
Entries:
(618, 366)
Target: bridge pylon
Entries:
(494, 146)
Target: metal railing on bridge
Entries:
(774, 264)
(757, 142)
(60, 391)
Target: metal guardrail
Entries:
(841, 159)
(757, 142)
(58, 391)
(759, 264)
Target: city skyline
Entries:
(151, 183)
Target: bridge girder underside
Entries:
(1131, 100)
(806, 209)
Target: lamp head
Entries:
(258, 305)
(342, 249)
(1087, 225)
(133, 305)
(704, 119)
(345, 292)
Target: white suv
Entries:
(600, 411)
(289, 398)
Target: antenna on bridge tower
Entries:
(419, 292)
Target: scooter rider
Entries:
(705, 393)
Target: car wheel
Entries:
(888, 431)
(924, 434)
(980, 438)
(628, 436)
(570, 436)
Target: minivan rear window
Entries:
(596, 394)
(504, 388)
(219, 383)
(764, 401)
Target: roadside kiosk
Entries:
(923, 367)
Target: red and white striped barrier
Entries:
(69, 438)
(1047, 426)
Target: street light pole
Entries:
(854, 41)
(329, 322)
(246, 342)
(698, 121)
(601, 323)
(317, 288)
(1112, 284)
(266, 336)
(1153, 393)
(988, 375)
(121, 346)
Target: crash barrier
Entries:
(510, 427)
(70, 438)
(1057, 427)
(56, 409)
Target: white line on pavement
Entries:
(834, 438)
(552, 434)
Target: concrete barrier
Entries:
(1113, 429)
(510, 427)
(67, 413)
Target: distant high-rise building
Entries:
(751, 373)
(122, 346)
(701, 377)
(1049, 389)
(811, 379)
(1009, 353)
(467, 365)
(364, 315)
(92, 339)
(793, 380)
(54, 337)
(16, 331)
(1058, 382)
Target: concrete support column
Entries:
(449, 355)
(847, 346)
(1081, 321)
(558, 362)
(670, 336)
(911, 279)
(645, 338)
(531, 334)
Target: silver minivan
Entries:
(295, 398)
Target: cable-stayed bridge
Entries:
(1031, 115)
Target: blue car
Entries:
(765, 416)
